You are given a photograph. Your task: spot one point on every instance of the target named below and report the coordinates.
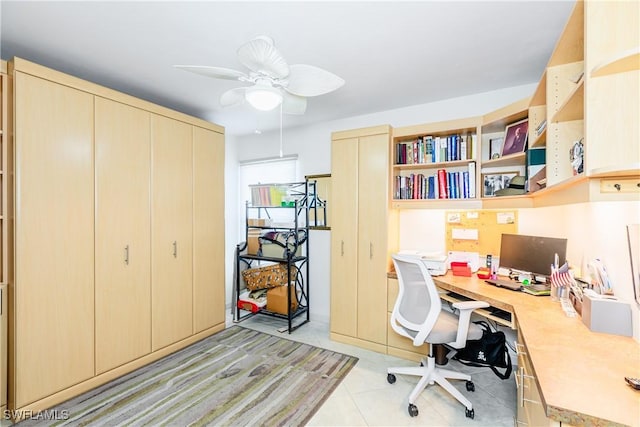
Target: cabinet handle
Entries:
(341, 247)
(520, 387)
(126, 255)
(175, 249)
(370, 250)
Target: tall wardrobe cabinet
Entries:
(359, 247)
(123, 234)
(117, 255)
(53, 293)
(172, 253)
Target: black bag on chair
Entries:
(489, 351)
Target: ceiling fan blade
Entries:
(293, 104)
(233, 97)
(307, 80)
(261, 56)
(216, 72)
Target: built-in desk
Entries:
(580, 374)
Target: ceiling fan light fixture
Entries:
(264, 98)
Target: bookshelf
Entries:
(493, 128)
(435, 162)
(585, 94)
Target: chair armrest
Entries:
(466, 308)
(470, 305)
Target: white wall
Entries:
(312, 144)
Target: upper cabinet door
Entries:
(123, 234)
(54, 241)
(208, 229)
(171, 231)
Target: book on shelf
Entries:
(472, 179)
(431, 194)
(442, 184)
(536, 168)
(439, 149)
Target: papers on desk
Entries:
(436, 262)
(599, 277)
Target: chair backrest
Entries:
(418, 304)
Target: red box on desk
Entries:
(460, 269)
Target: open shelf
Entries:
(622, 62)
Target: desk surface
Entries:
(580, 373)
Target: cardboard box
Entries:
(277, 299)
(253, 242)
(256, 222)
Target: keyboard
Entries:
(508, 284)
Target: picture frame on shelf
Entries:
(492, 182)
(495, 148)
(515, 137)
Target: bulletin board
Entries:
(479, 230)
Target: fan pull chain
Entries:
(281, 130)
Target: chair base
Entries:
(431, 374)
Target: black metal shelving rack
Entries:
(300, 212)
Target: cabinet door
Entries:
(373, 164)
(123, 240)
(344, 236)
(171, 231)
(208, 229)
(53, 312)
(612, 107)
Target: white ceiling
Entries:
(391, 54)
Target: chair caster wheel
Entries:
(471, 386)
(391, 378)
(413, 410)
(469, 413)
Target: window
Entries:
(265, 171)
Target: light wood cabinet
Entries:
(5, 238)
(208, 234)
(123, 221)
(53, 310)
(117, 254)
(171, 231)
(360, 244)
(344, 237)
(612, 29)
(530, 409)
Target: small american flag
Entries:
(562, 276)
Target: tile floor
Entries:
(365, 398)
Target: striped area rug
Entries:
(237, 377)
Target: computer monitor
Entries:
(531, 254)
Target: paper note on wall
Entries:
(464, 233)
(479, 230)
(505, 218)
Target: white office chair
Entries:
(418, 315)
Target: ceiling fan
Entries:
(273, 81)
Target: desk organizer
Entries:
(606, 315)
